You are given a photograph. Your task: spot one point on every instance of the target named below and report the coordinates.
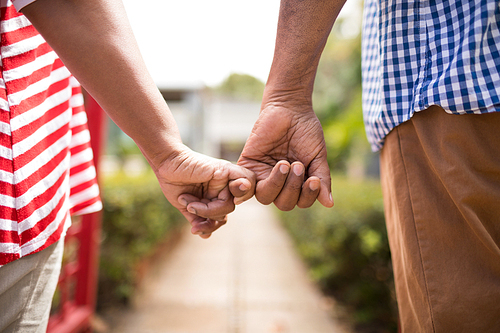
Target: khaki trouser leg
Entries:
(441, 183)
(26, 289)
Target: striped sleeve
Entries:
(84, 195)
(46, 164)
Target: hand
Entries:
(287, 152)
(203, 189)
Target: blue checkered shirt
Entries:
(418, 53)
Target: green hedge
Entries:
(136, 220)
(348, 254)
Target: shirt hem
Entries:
(20, 4)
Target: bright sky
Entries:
(186, 41)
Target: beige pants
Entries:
(26, 289)
(441, 183)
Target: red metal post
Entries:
(77, 306)
(91, 223)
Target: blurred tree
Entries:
(337, 102)
(241, 86)
(338, 80)
(118, 143)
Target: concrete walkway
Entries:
(245, 279)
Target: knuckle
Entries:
(304, 204)
(276, 184)
(296, 187)
(284, 206)
(264, 196)
(264, 200)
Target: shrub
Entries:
(347, 251)
(136, 220)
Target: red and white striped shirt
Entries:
(46, 164)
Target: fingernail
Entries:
(298, 169)
(243, 187)
(183, 202)
(313, 186)
(191, 210)
(331, 198)
(284, 169)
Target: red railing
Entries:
(76, 293)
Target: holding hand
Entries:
(202, 188)
(286, 134)
(287, 149)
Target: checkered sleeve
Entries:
(422, 53)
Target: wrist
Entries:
(289, 86)
(286, 96)
(162, 151)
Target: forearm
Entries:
(303, 29)
(94, 40)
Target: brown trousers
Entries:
(441, 184)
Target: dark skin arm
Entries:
(288, 135)
(95, 41)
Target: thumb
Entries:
(217, 183)
(242, 183)
(241, 189)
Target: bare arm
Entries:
(95, 41)
(288, 133)
(303, 29)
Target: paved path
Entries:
(245, 279)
